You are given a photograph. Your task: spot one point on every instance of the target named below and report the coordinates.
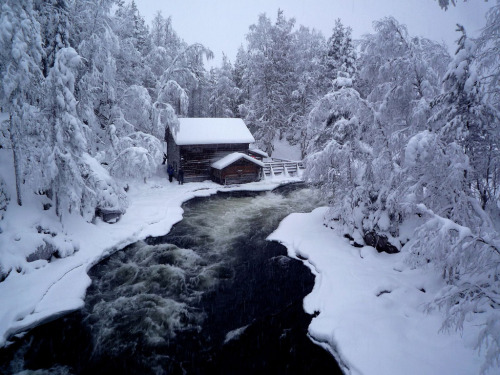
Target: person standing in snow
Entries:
(170, 171)
(180, 176)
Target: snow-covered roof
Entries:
(259, 152)
(206, 131)
(231, 158)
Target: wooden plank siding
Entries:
(241, 171)
(196, 159)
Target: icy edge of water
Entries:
(369, 308)
(59, 287)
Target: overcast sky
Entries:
(221, 25)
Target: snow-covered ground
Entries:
(284, 150)
(43, 290)
(371, 306)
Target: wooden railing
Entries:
(280, 167)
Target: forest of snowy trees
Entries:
(402, 138)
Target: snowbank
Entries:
(45, 290)
(371, 306)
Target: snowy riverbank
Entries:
(45, 290)
(371, 306)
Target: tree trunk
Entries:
(17, 167)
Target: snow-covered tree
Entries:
(309, 50)
(488, 51)
(78, 183)
(97, 85)
(54, 21)
(240, 74)
(340, 154)
(180, 75)
(269, 77)
(462, 115)
(454, 235)
(138, 158)
(137, 108)
(131, 30)
(223, 92)
(20, 58)
(340, 55)
(67, 139)
(399, 73)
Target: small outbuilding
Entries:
(237, 168)
(257, 154)
(198, 144)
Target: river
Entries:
(211, 297)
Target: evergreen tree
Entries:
(270, 77)
(20, 58)
(340, 55)
(223, 93)
(67, 139)
(309, 49)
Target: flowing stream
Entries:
(211, 297)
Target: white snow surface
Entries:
(44, 290)
(205, 131)
(231, 158)
(284, 150)
(371, 306)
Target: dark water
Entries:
(211, 297)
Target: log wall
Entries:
(196, 159)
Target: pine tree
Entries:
(54, 21)
(340, 55)
(67, 138)
(270, 77)
(309, 49)
(223, 92)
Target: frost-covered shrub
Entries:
(469, 261)
(134, 163)
(139, 155)
(140, 139)
(102, 191)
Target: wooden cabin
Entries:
(237, 168)
(198, 143)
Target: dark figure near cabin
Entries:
(180, 176)
(170, 171)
